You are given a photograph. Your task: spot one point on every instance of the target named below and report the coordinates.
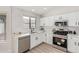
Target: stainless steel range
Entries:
(60, 39)
(60, 35)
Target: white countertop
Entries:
(20, 35)
(37, 32)
(26, 34)
(73, 35)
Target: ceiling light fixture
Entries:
(33, 9)
(45, 8)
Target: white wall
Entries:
(6, 46)
(17, 21)
(14, 23)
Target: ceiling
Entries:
(40, 10)
(43, 10)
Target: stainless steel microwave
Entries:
(61, 23)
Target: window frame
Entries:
(4, 14)
(30, 21)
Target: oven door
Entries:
(60, 42)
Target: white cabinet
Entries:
(72, 18)
(49, 35)
(73, 21)
(47, 21)
(36, 39)
(44, 21)
(73, 43)
(49, 38)
(32, 41)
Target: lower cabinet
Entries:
(38, 38)
(35, 40)
(73, 44)
(48, 37)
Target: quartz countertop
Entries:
(38, 32)
(20, 35)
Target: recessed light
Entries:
(33, 9)
(45, 8)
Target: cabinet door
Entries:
(77, 44)
(73, 44)
(40, 38)
(73, 21)
(49, 38)
(47, 21)
(43, 37)
(77, 20)
(33, 41)
(42, 22)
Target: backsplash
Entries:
(71, 28)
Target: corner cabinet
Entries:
(73, 43)
(46, 21)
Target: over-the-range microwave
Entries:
(61, 23)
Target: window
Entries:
(2, 27)
(33, 22)
(29, 22)
(26, 21)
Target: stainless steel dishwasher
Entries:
(23, 44)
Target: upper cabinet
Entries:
(72, 18)
(47, 21)
(72, 21)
